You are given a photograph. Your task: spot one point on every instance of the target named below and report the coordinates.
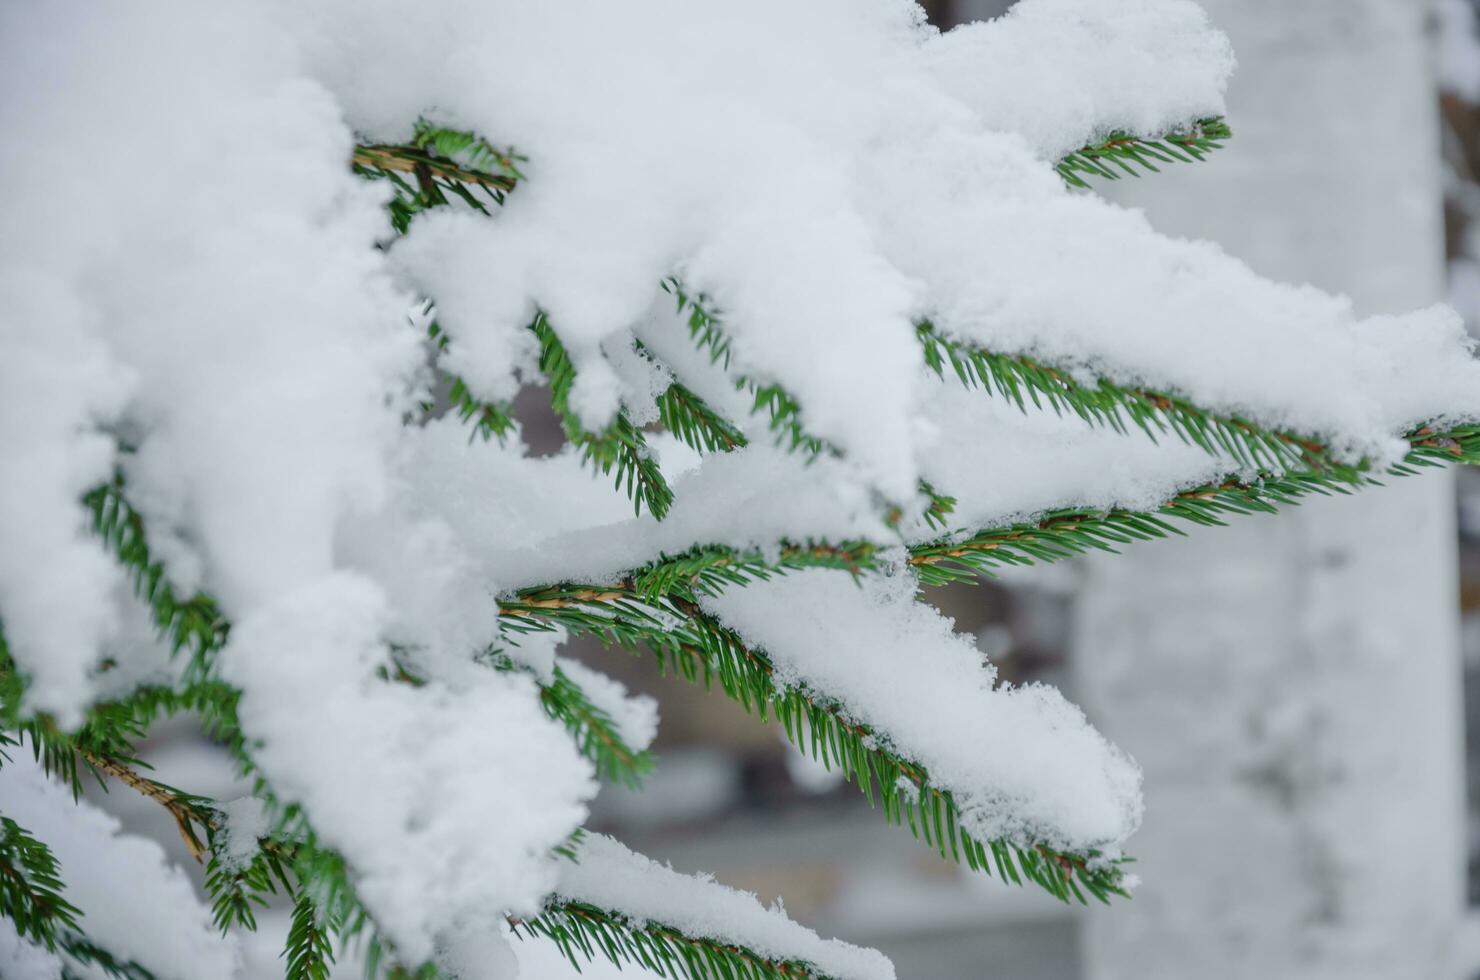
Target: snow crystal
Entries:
(610, 876)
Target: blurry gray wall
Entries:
(1291, 685)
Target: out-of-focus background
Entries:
(1302, 691)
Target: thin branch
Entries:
(187, 811)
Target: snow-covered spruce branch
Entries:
(620, 447)
(32, 897)
(1019, 378)
(445, 159)
(584, 931)
(691, 643)
(103, 745)
(196, 625)
(1303, 465)
(613, 903)
(191, 624)
(31, 887)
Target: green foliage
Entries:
(490, 419)
(31, 898)
(1064, 533)
(583, 931)
(31, 887)
(688, 642)
(1021, 379)
(436, 163)
(620, 446)
(195, 624)
(79, 949)
(310, 948)
(1126, 151)
(237, 890)
(595, 734)
(708, 333)
(701, 428)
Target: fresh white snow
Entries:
(197, 275)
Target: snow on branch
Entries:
(970, 812)
(612, 902)
(1127, 151)
(221, 331)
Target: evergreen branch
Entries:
(438, 162)
(708, 333)
(31, 898)
(80, 949)
(595, 734)
(1020, 379)
(1127, 151)
(310, 949)
(701, 428)
(1068, 532)
(236, 889)
(620, 446)
(31, 887)
(491, 419)
(187, 810)
(687, 641)
(582, 931)
(194, 625)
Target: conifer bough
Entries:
(718, 387)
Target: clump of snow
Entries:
(1138, 66)
(162, 925)
(446, 799)
(763, 194)
(634, 716)
(1021, 762)
(608, 875)
(245, 821)
(536, 521)
(1053, 460)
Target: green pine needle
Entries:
(595, 734)
(31, 887)
(79, 949)
(583, 931)
(193, 625)
(1127, 152)
(620, 447)
(310, 948)
(438, 162)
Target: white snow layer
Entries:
(1021, 762)
(608, 875)
(195, 272)
(447, 798)
(134, 903)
